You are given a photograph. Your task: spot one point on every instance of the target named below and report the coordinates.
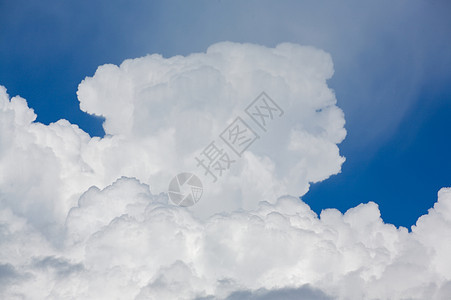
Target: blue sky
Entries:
(392, 75)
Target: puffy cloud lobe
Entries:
(167, 110)
(160, 113)
(145, 248)
(67, 231)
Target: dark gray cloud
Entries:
(59, 265)
(304, 292)
(7, 274)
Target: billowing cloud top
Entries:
(71, 229)
(162, 114)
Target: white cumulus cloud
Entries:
(123, 242)
(88, 218)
